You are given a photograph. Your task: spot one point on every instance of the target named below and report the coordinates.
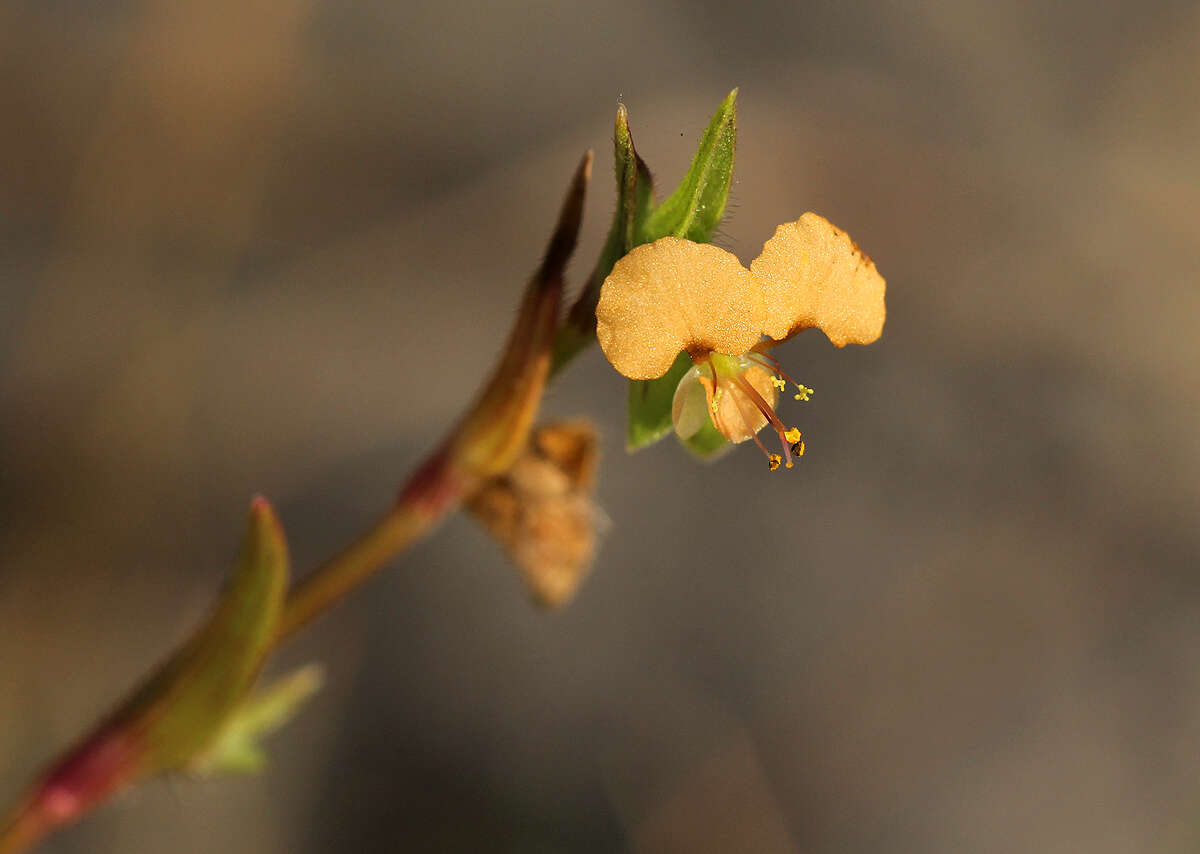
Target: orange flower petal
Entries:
(674, 295)
(734, 413)
(812, 274)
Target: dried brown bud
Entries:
(541, 510)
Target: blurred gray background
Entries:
(272, 245)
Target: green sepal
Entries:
(693, 211)
(184, 706)
(650, 405)
(696, 207)
(238, 748)
(635, 200)
(707, 444)
(635, 197)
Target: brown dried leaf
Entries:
(541, 510)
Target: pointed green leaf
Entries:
(635, 197)
(693, 211)
(237, 749)
(180, 709)
(708, 444)
(185, 705)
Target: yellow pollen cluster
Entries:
(773, 461)
(778, 383)
(716, 400)
(805, 392)
(792, 435)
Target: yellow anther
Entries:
(798, 450)
(778, 383)
(716, 400)
(773, 461)
(793, 435)
(804, 394)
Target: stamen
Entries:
(771, 363)
(717, 390)
(789, 437)
(773, 460)
(761, 446)
(769, 414)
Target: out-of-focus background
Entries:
(271, 246)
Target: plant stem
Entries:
(484, 443)
(434, 490)
(356, 563)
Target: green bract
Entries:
(650, 405)
(238, 748)
(185, 706)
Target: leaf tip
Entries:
(260, 508)
(726, 116)
(265, 528)
(622, 123)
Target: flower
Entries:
(674, 295)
